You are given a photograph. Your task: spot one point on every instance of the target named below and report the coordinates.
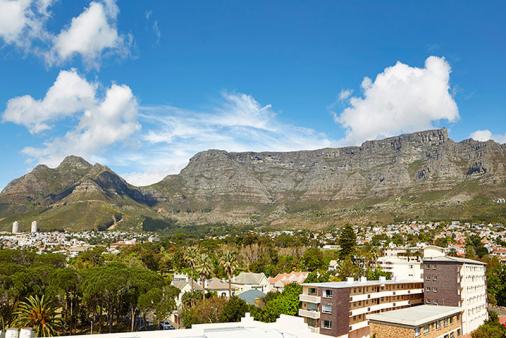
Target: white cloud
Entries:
(344, 94)
(90, 34)
(102, 122)
(240, 123)
(113, 120)
(70, 94)
(401, 99)
(486, 135)
(22, 21)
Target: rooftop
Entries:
(249, 278)
(285, 326)
(416, 315)
(351, 284)
(451, 259)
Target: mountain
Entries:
(423, 175)
(75, 195)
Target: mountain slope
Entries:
(425, 166)
(422, 175)
(75, 195)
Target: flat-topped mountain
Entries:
(419, 175)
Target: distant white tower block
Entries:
(33, 229)
(15, 227)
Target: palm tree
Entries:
(205, 267)
(191, 257)
(39, 314)
(229, 264)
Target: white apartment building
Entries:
(453, 281)
(406, 263)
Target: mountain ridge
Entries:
(379, 180)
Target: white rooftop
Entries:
(415, 315)
(349, 284)
(452, 260)
(284, 327)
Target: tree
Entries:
(160, 301)
(286, 302)
(348, 269)
(313, 259)
(39, 314)
(205, 267)
(491, 329)
(64, 286)
(205, 311)
(229, 264)
(234, 310)
(191, 259)
(347, 241)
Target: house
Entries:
(251, 296)
(279, 282)
(219, 286)
(184, 284)
(251, 280)
(333, 265)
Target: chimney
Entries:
(363, 279)
(382, 279)
(350, 280)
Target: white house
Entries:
(251, 280)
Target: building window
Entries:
(434, 289)
(327, 324)
(312, 291)
(417, 332)
(327, 308)
(327, 294)
(426, 330)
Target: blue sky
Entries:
(142, 85)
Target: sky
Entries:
(141, 86)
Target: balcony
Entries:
(310, 299)
(309, 314)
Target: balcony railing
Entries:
(310, 299)
(309, 314)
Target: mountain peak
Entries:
(76, 162)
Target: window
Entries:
(426, 329)
(311, 291)
(417, 332)
(327, 294)
(427, 288)
(327, 324)
(327, 308)
(434, 289)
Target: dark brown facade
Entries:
(442, 283)
(339, 317)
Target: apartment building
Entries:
(452, 281)
(339, 309)
(406, 262)
(428, 321)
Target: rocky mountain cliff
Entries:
(419, 175)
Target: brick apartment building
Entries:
(452, 281)
(428, 321)
(339, 309)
